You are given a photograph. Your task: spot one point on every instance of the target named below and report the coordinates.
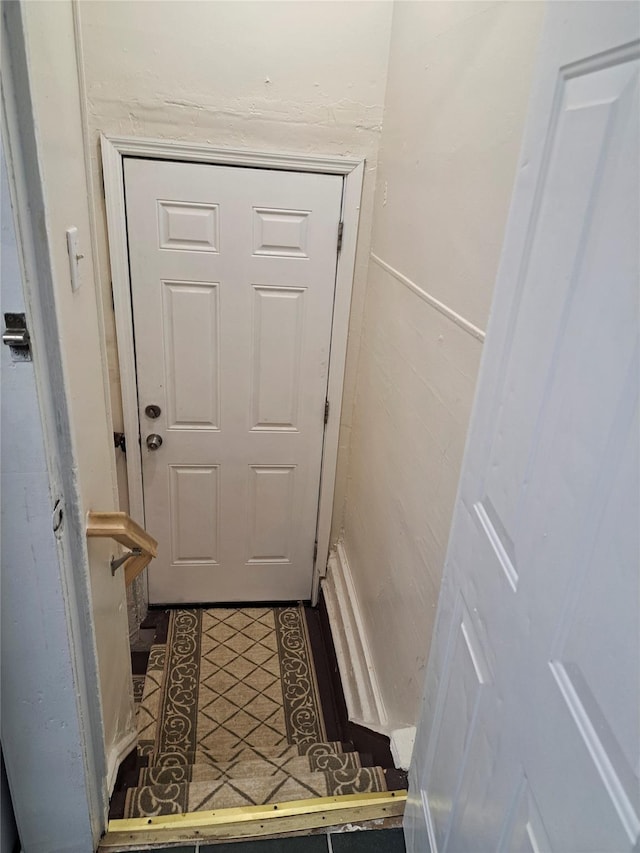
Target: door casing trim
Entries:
(114, 150)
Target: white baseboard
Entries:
(402, 741)
(361, 691)
(117, 754)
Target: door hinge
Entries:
(315, 552)
(119, 440)
(326, 412)
(340, 230)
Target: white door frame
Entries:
(114, 149)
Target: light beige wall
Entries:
(72, 330)
(458, 84)
(304, 77)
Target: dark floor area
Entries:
(363, 841)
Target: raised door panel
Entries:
(194, 506)
(188, 226)
(191, 353)
(278, 335)
(455, 738)
(594, 660)
(524, 830)
(587, 129)
(593, 367)
(271, 513)
(280, 233)
(593, 647)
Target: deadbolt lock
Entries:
(153, 411)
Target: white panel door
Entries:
(232, 279)
(529, 737)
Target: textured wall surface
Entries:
(456, 80)
(306, 78)
(459, 78)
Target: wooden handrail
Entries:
(124, 530)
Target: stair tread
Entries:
(175, 798)
(232, 763)
(149, 706)
(159, 774)
(243, 752)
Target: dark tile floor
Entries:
(370, 841)
(364, 841)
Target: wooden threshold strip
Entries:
(129, 834)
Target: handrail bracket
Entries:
(124, 530)
(119, 561)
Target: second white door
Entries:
(233, 279)
(528, 740)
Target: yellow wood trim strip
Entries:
(151, 837)
(123, 529)
(135, 842)
(245, 814)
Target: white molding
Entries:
(362, 694)
(91, 213)
(402, 742)
(117, 754)
(114, 149)
(168, 149)
(119, 260)
(339, 337)
(447, 312)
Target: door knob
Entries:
(154, 441)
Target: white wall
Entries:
(47, 150)
(459, 77)
(41, 725)
(302, 77)
(310, 77)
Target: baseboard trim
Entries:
(402, 743)
(117, 754)
(361, 691)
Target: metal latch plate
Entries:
(16, 337)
